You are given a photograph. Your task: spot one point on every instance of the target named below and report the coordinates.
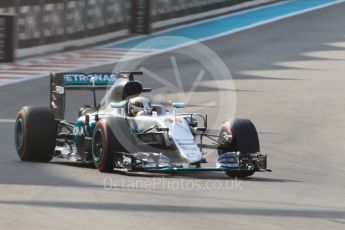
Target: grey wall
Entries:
(167, 9)
(42, 22)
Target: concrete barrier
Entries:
(53, 25)
(168, 9)
(42, 22)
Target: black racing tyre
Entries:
(35, 134)
(244, 139)
(105, 145)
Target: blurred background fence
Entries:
(168, 9)
(44, 22)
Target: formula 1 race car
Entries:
(126, 132)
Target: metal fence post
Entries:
(141, 17)
(8, 39)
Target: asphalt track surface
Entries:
(289, 81)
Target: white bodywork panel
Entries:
(179, 132)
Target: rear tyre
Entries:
(35, 134)
(244, 140)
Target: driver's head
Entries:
(139, 106)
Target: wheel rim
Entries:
(222, 137)
(19, 133)
(98, 146)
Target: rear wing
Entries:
(60, 83)
(82, 81)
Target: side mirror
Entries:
(163, 129)
(178, 105)
(118, 105)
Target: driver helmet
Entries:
(139, 106)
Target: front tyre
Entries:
(35, 134)
(244, 139)
(101, 147)
(107, 144)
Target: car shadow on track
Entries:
(37, 174)
(74, 164)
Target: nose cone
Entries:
(189, 150)
(180, 132)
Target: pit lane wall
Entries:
(66, 23)
(169, 9)
(42, 22)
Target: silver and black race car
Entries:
(107, 134)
